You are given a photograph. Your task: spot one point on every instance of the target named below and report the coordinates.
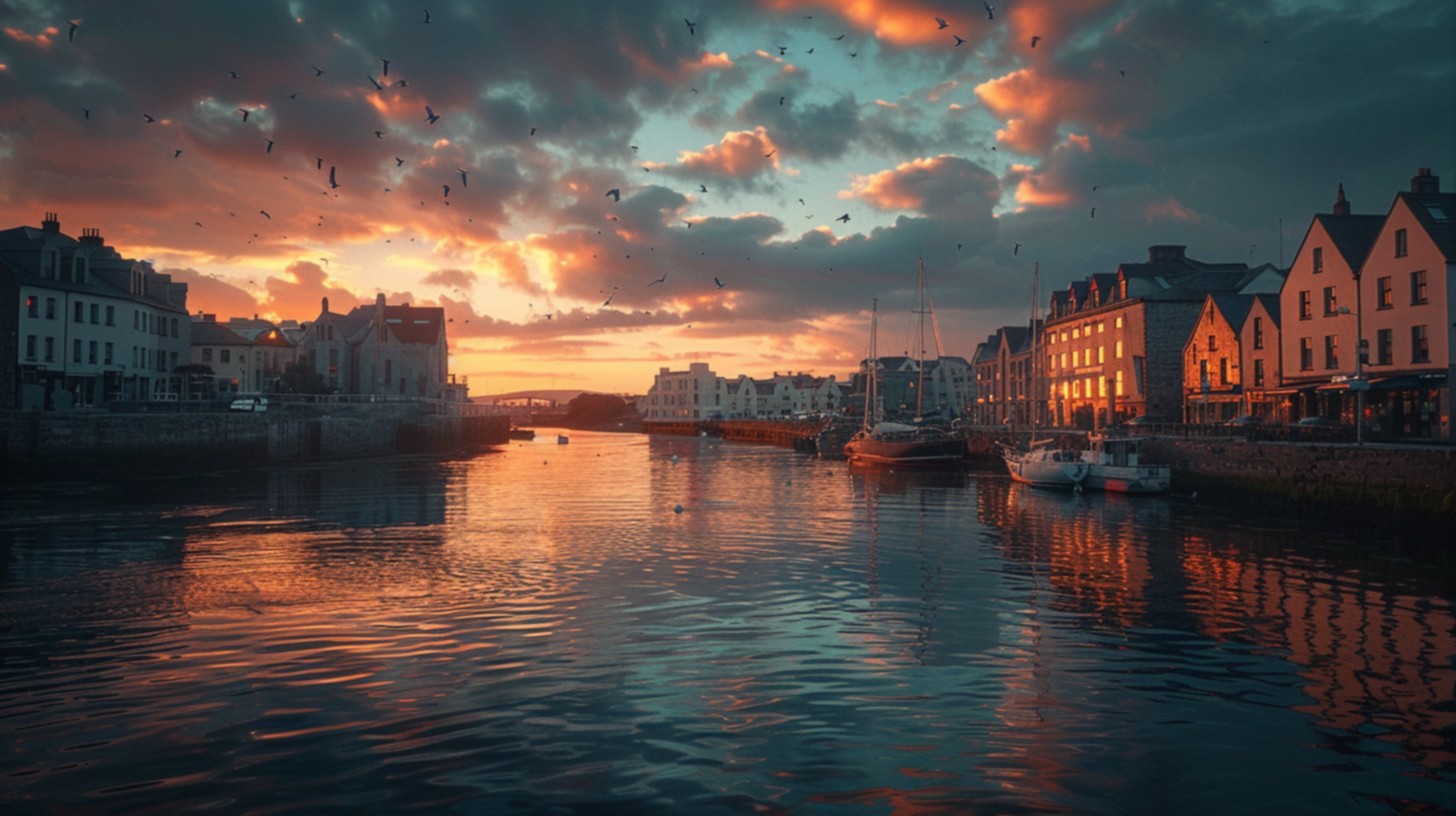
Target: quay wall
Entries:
(68, 441)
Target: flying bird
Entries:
(244, 112)
(533, 132)
(71, 35)
(692, 29)
(266, 215)
(718, 283)
(86, 112)
(990, 11)
(781, 101)
(374, 82)
(270, 144)
(783, 49)
(379, 134)
(940, 21)
(430, 115)
(317, 71)
(615, 194)
(447, 190)
(462, 177)
(427, 15)
(1035, 38)
(1017, 248)
(960, 41)
(844, 218)
(659, 280)
(769, 154)
(609, 297)
(703, 188)
(233, 74)
(319, 160)
(333, 183)
(398, 162)
(176, 152)
(386, 65)
(149, 118)
(1094, 213)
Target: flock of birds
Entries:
(431, 118)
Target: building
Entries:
(90, 326)
(381, 351)
(1006, 382)
(1372, 340)
(1113, 344)
(685, 396)
(1213, 371)
(244, 355)
(949, 385)
(1260, 371)
(698, 394)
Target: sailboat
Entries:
(883, 442)
(1042, 463)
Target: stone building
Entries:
(380, 351)
(89, 326)
(1006, 382)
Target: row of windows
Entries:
(1384, 295)
(1083, 357)
(1085, 330)
(94, 352)
(140, 321)
(1420, 349)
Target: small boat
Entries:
(562, 439)
(1114, 464)
(1043, 465)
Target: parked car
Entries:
(249, 404)
(1245, 421)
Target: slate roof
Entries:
(1435, 212)
(1352, 235)
(206, 333)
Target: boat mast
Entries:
(873, 366)
(1035, 388)
(920, 349)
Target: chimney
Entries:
(1424, 182)
(1342, 207)
(91, 236)
(51, 223)
(1163, 253)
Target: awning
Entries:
(1406, 382)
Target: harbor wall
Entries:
(71, 441)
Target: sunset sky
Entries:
(739, 134)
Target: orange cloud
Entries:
(44, 39)
(1170, 209)
(896, 21)
(891, 189)
(1037, 189)
(739, 154)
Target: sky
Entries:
(782, 168)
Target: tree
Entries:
(590, 409)
(300, 378)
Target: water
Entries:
(538, 630)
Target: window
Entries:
(1332, 351)
(32, 306)
(174, 327)
(91, 352)
(1259, 373)
(95, 313)
(1117, 383)
(111, 315)
(1384, 293)
(1101, 355)
(1400, 243)
(207, 355)
(1331, 304)
(80, 313)
(1258, 332)
(30, 346)
(225, 356)
(1306, 354)
(1318, 259)
(1304, 313)
(1203, 371)
(107, 358)
(1384, 346)
(1223, 371)
(1117, 350)
(1418, 287)
(1117, 322)
(1212, 340)
(1420, 345)
(50, 349)
(75, 351)
(50, 308)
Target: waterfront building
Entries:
(1006, 392)
(1218, 371)
(698, 393)
(243, 355)
(1260, 371)
(89, 326)
(1113, 343)
(949, 383)
(381, 351)
(1369, 327)
(685, 396)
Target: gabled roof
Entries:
(1352, 235)
(207, 333)
(1233, 307)
(414, 324)
(1435, 212)
(1271, 306)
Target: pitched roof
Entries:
(414, 324)
(1270, 304)
(208, 333)
(1352, 235)
(1435, 212)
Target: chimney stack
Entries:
(51, 223)
(91, 236)
(1342, 207)
(1424, 182)
(1162, 253)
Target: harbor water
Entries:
(645, 625)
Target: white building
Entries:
(698, 393)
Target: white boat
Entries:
(1115, 464)
(1044, 465)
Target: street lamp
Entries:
(1358, 384)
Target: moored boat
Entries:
(1114, 464)
(897, 443)
(1043, 465)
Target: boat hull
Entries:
(1143, 480)
(1045, 468)
(915, 449)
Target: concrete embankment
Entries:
(69, 442)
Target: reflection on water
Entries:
(653, 625)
